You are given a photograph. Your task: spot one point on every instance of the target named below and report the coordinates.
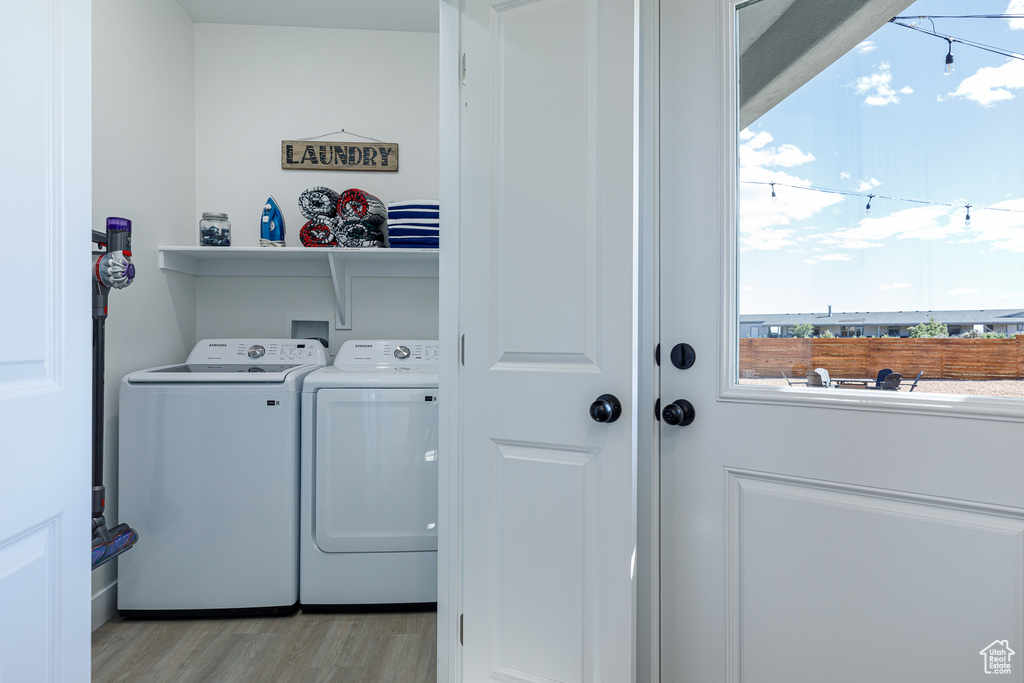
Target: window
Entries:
(879, 184)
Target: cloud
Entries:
(878, 87)
(1016, 7)
(1012, 295)
(755, 152)
(1002, 230)
(763, 223)
(865, 47)
(865, 185)
(894, 285)
(924, 223)
(963, 290)
(845, 175)
(755, 140)
(835, 257)
(991, 84)
(766, 239)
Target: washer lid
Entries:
(218, 374)
(249, 361)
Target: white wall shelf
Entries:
(341, 265)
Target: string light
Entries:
(775, 199)
(867, 209)
(853, 193)
(967, 220)
(953, 39)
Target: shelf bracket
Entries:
(344, 269)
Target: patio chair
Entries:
(916, 380)
(818, 377)
(882, 374)
(792, 382)
(891, 382)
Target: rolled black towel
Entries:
(318, 202)
(357, 234)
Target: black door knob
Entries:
(679, 413)
(605, 409)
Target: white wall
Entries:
(143, 169)
(259, 85)
(382, 308)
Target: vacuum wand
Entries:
(113, 269)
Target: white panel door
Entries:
(546, 210)
(873, 541)
(45, 342)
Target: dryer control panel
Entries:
(258, 352)
(388, 352)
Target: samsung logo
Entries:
(364, 346)
(218, 344)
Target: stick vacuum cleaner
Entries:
(113, 269)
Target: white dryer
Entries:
(209, 477)
(369, 477)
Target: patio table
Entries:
(852, 382)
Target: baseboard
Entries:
(104, 605)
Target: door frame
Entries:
(646, 649)
(449, 464)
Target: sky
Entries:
(886, 119)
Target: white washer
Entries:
(209, 477)
(369, 477)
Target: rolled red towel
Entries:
(356, 205)
(317, 233)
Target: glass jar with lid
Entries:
(214, 230)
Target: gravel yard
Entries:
(1005, 388)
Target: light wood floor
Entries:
(304, 648)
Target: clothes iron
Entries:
(272, 225)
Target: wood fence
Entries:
(938, 358)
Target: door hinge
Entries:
(462, 350)
(463, 78)
(460, 629)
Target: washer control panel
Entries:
(258, 352)
(388, 352)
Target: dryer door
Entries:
(375, 470)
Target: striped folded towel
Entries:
(433, 224)
(413, 209)
(412, 215)
(415, 204)
(414, 242)
(412, 232)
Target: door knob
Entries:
(605, 409)
(679, 413)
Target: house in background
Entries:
(1008, 321)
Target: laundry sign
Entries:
(309, 155)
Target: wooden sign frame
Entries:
(311, 155)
